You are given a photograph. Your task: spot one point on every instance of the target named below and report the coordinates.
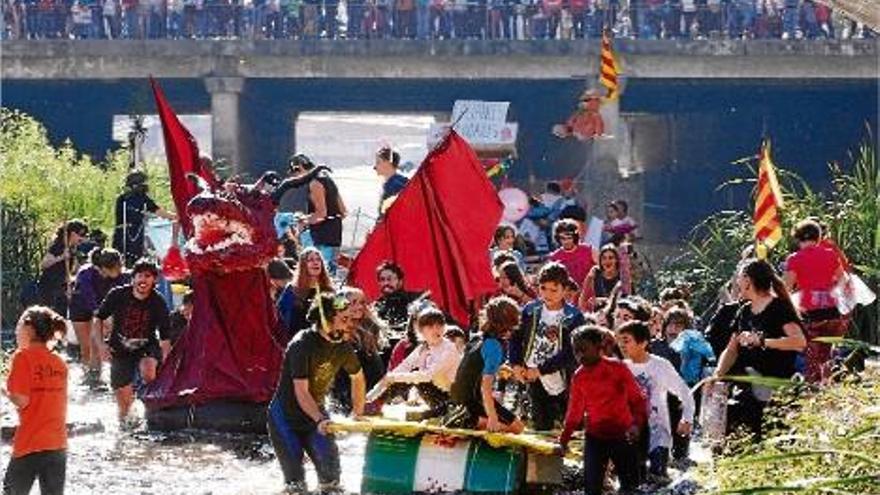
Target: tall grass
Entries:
(851, 209)
(824, 441)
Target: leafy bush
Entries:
(42, 185)
(709, 257)
(59, 183)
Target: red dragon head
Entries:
(233, 229)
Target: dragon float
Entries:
(223, 370)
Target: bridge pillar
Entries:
(612, 172)
(225, 120)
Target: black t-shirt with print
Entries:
(312, 357)
(770, 321)
(134, 318)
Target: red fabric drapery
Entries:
(439, 231)
(182, 153)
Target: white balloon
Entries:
(516, 204)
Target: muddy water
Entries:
(111, 461)
(140, 462)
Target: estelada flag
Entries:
(768, 201)
(438, 230)
(182, 153)
(608, 69)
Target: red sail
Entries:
(182, 153)
(439, 231)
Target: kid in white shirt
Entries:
(657, 378)
(430, 368)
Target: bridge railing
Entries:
(423, 19)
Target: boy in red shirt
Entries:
(606, 398)
(37, 386)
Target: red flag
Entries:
(182, 153)
(438, 230)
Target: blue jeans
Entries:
(423, 29)
(290, 445)
(790, 20)
(131, 23)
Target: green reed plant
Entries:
(821, 440)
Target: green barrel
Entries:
(494, 470)
(428, 463)
(390, 464)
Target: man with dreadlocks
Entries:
(297, 420)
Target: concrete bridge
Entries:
(455, 59)
(225, 66)
(686, 103)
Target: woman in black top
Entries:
(767, 336)
(58, 265)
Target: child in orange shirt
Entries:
(37, 386)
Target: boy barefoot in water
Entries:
(608, 401)
(37, 386)
(297, 419)
(475, 405)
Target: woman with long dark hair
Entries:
(310, 276)
(613, 267)
(59, 264)
(363, 332)
(767, 338)
(368, 334)
(513, 283)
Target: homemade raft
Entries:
(406, 457)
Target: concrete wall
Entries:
(470, 59)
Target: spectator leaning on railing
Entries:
(423, 19)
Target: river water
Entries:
(111, 461)
(104, 460)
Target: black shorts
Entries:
(79, 315)
(124, 364)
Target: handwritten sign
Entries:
(503, 135)
(464, 111)
(483, 124)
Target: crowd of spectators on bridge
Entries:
(423, 19)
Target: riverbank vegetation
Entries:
(821, 440)
(43, 184)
